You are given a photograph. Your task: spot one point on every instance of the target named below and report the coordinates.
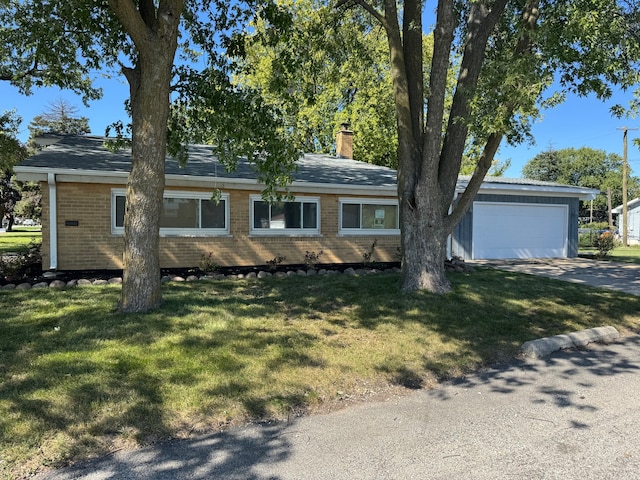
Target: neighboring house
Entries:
(633, 221)
(341, 208)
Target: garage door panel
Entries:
(503, 230)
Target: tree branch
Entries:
(469, 194)
(412, 49)
(366, 6)
(443, 36)
(530, 17)
(132, 21)
(481, 24)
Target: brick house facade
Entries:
(81, 183)
(342, 207)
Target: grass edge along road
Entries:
(78, 379)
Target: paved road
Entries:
(574, 415)
(624, 277)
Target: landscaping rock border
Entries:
(453, 265)
(81, 282)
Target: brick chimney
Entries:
(344, 144)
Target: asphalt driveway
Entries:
(624, 277)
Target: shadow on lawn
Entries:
(484, 318)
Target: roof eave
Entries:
(40, 174)
(534, 190)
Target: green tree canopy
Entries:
(584, 167)
(168, 50)
(332, 68)
(11, 150)
(506, 54)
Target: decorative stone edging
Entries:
(454, 265)
(59, 284)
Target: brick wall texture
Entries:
(91, 244)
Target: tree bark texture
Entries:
(154, 32)
(429, 158)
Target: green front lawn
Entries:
(78, 379)
(18, 240)
(629, 254)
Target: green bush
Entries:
(585, 240)
(596, 226)
(605, 242)
(25, 264)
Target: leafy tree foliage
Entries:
(331, 68)
(9, 196)
(507, 53)
(11, 150)
(30, 203)
(166, 49)
(584, 167)
(11, 153)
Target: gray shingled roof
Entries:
(89, 154)
(85, 154)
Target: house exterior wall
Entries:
(462, 238)
(633, 229)
(86, 242)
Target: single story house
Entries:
(633, 220)
(341, 208)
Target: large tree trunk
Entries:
(154, 31)
(424, 244)
(141, 287)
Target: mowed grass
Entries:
(18, 240)
(78, 379)
(630, 254)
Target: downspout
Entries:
(53, 222)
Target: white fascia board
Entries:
(30, 174)
(631, 204)
(535, 190)
(120, 178)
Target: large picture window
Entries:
(183, 213)
(300, 216)
(369, 217)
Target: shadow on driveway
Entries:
(624, 277)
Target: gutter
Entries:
(34, 174)
(53, 222)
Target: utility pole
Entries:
(609, 208)
(625, 174)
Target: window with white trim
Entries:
(183, 213)
(368, 217)
(300, 216)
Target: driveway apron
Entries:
(624, 277)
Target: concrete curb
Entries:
(546, 346)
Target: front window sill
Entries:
(369, 233)
(283, 234)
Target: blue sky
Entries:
(576, 123)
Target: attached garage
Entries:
(519, 230)
(517, 218)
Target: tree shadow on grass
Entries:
(484, 318)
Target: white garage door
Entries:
(517, 230)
